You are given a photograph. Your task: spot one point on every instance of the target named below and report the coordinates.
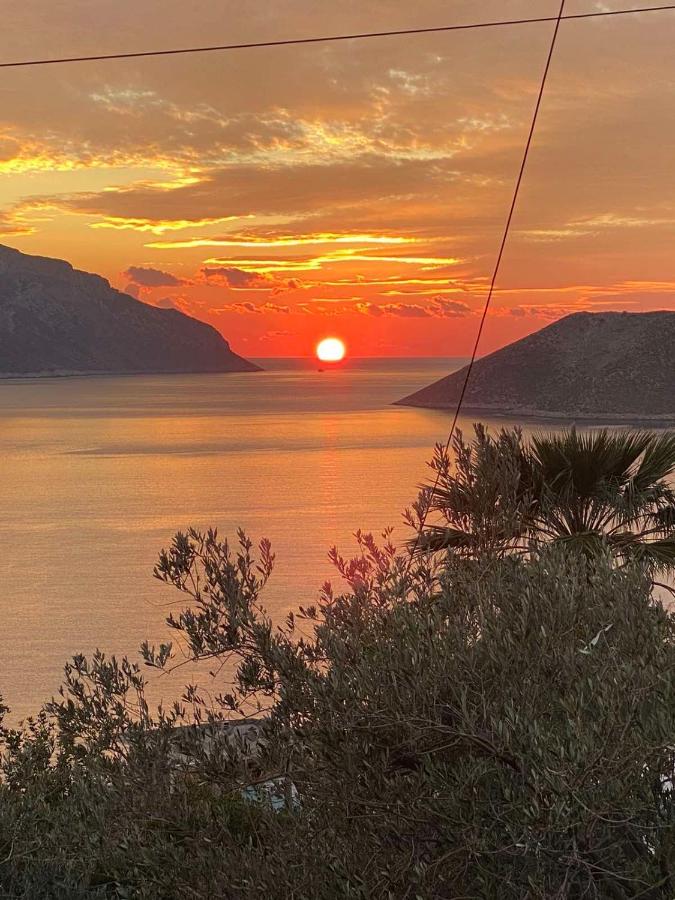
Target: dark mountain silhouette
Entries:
(55, 320)
(601, 367)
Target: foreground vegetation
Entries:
(595, 491)
(498, 721)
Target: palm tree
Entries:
(586, 490)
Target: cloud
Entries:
(545, 235)
(404, 310)
(150, 278)
(291, 284)
(616, 220)
(548, 313)
(157, 226)
(237, 279)
(450, 309)
(11, 225)
(332, 258)
(180, 303)
(273, 335)
(589, 226)
(438, 308)
(247, 307)
(238, 190)
(281, 241)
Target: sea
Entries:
(98, 473)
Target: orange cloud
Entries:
(238, 279)
(439, 308)
(11, 224)
(256, 309)
(316, 263)
(157, 226)
(281, 241)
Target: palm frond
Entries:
(587, 542)
(658, 555)
(587, 462)
(596, 491)
(435, 538)
(657, 463)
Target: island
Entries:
(56, 320)
(608, 367)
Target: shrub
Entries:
(500, 727)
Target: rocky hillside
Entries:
(603, 367)
(55, 320)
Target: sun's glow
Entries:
(330, 350)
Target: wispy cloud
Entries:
(11, 224)
(316, 263)
(158, 226)
(281, 241)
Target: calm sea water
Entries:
(98, 473)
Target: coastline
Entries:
(554, 417)
(111, 373)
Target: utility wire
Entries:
(396, 33)
(470, 26)
(488, 300)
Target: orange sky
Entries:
(356, 189)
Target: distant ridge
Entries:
(599, 367)
(55, 320)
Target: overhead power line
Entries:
(495, 273)
(327, 39)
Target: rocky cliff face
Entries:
(603, 367)
(56, 320)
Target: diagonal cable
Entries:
(495, 273)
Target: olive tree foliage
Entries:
(591, 491)
(489, 727)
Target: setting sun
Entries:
(330, 350)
